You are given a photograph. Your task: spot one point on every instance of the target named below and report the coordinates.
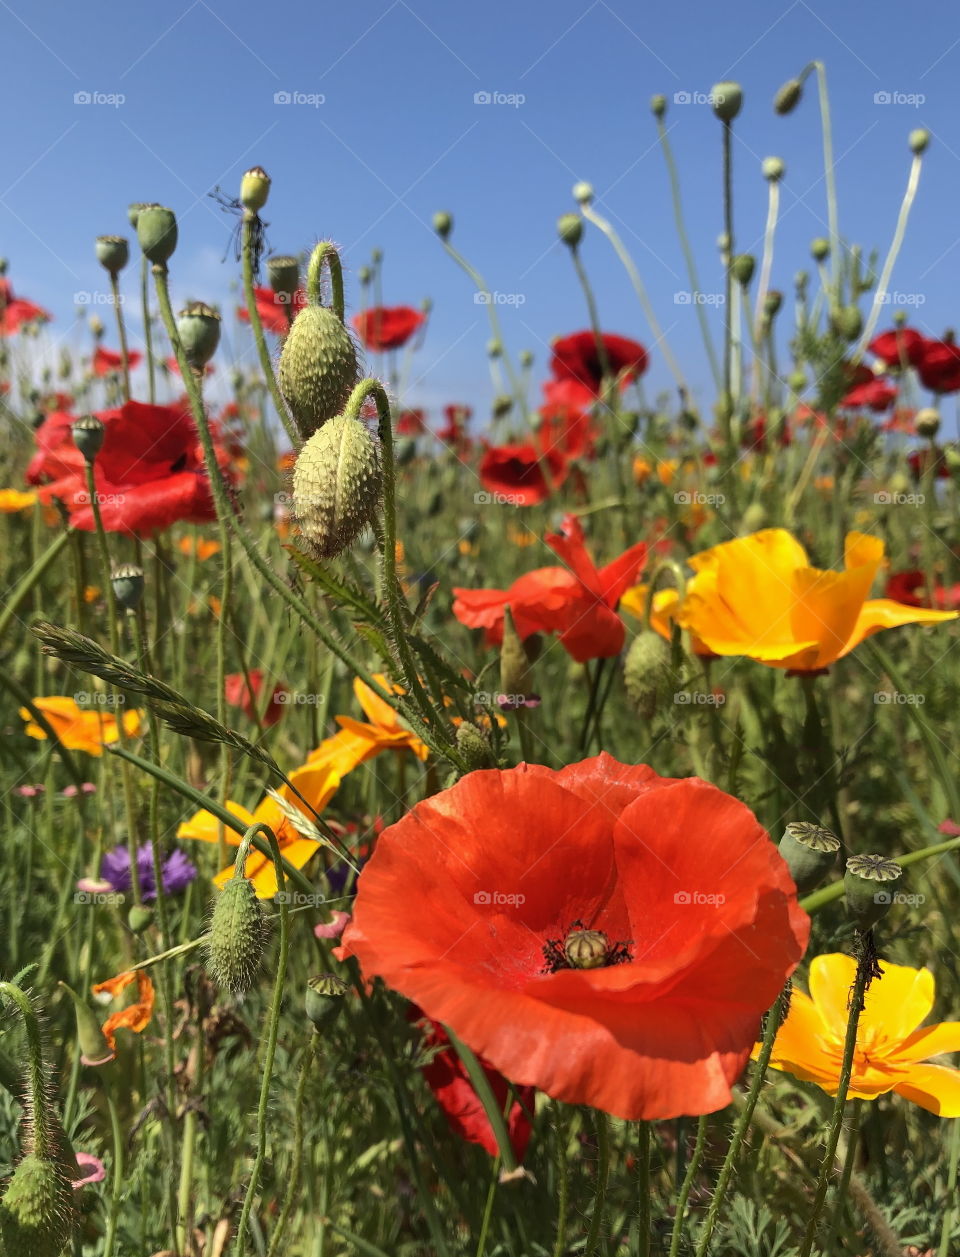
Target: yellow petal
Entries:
(934, 1087)
(926, 1042)
(885, 613)
(205, 827)
(259, 868)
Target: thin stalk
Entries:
(147, 329)
(116, 1178)
(951, 1210)
(693, 1169)
(643, 1189)
(600, 1195)
(263, 352)
(829, 176)
(122, 331)
(296, 1152)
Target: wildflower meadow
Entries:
(525, 825)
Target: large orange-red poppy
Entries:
(484, 903)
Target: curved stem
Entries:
(325, 255)
(829, 177)
(122, 331)
(643, 1190)
(256, 325)
(686, 1187)
(913, 182)
(600, 1196)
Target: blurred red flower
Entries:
(237, 693)
(898, 346)
(411, 423)
(910, 588)
(521, 473)
(604, 934)
(939, 366)
(387, 327)
(577, 600)
(275, 309)
(576, 357)
(454, 430)
(868, 391)
(109, 361)
(15, 311)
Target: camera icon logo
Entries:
(82, 98)
(481, 98)
(481, 896)
(681, 98)
(281, 98)
(682, 897)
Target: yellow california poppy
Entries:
(359, 741)
(758, 596)
(13, 500)
(891, 1052)
(78, 728)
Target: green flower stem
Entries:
(850, 1155)
(13, 602)
(488, 1208)
(603, 1173)
(294, 1172)
(122, 330)
(44, 1125)
(563, 1187)
(592, 313)
(147, 329)
(116, 1177)
(829, 176)
(827, 894)
(273, 1027)
(763, 286)
(740, 1130)
(643, 1189)
(951, 1211)
(693, 1169)
(729, 401)
(256, 325)
(481, 1085)
(326, 257)
(836, 1121)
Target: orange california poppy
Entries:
(607, 935)
(758, 596)
(136, 1016)
(78, 728)
(201, 547)
(578, 601)
(12, 500)
(890, 1051)
(360, 740)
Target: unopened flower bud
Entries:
(323, 1000)
(337, 485)
(570, 229)
(474, 747)
(810, 852)
(648, 673)
(868, 886)
(36, 1209)
(127, 581)
(494, 349)
(820, 249)
(88, 433)
(139, 918)
(797, 381)
(198, 327)
(157, 233)
(919, 141)
(773, 169)
(254, 189)
(237, 937)
(113, 253)
(742, 268)
(502, 405)
(658, 105)
(772, 302)
(443, 224)
(133, 212)
(788, 97)
(927, 421)
(754, 518)
(526, 359)
(847, 322)
(318, 367)
(727, 99)
(583, 193)
(514, 660)
(94, 1048)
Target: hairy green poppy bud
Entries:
(474, 747)
(847, 322)
(113, 253)
(648, 673)
(94, 1048)
(583, 193)
(88, 433)
(323, 999)
(443, 224)
(318, 368)
(927, 421)
(919, 141)
(139, 918)
(238, 934)
(157, 233)
(773, 169)
(336, 485)
(36, 1210)
(284, 274)
(772, 303)
(658, 105)
(570, 229)
(254, 189)
(514, 660)
(820, 249)
(788, 97)
(198, 327)
(742, 268)
(127, 581)
(810, 852)
(868, 888)
(133, 212)
(727, 99)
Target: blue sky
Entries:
(399, 135)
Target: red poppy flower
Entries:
(604, 934)
(516, 472)
(110, 361)
(411, 423)
(275, 309)
(16, 312)
(566, 423)
(149, 473)
(387, 327)
(939, 366)
(237, 693)
(904, 586)
(450, 1083)
(577, 601)
(755, 434)
(919, 461)
(453, 431)
(174, 367)
(898, 346)
(576, 357)
(868, 391)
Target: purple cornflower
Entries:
(178, 872)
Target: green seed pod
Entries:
(133, 212)
(754, 518)
(443, 224)
(583, 193)
(648, 673)
(919, 141)
(95, 324)
(238, 934)
(927, 421)
(36, 1210)
(820, 249)
(727, 100)
(502, 405)
(570, 229)
(113, 253)
(94, 1048)
(284, 274)
(788, 97)
(526, 359)
(658, 105)
(868, 886)
(848, 322)
(318, 368)
(254, 189)
(139, 918)
(797, 381)
(773, 169)
(323, 999)
(157, 233)
(336, 485)
(474, 747)
(198, 327)
(742, 268)
(586, 949)
(810, 852)
(494, 349)
(127, 582)
(899, 318)
(88, 433)
(772, 303)
(364, 274)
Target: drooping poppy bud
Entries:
(336, 485)
(237, 937)
(94, 1048)
(113, 253)
(139, 918)
(658, 105)
(868, 886)
(847, 322)
(648, 673)
(919, 141)
(742, 268)
(583, 193)
(810, 852)
(318, 368)
(788, 97)
(157, 233)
